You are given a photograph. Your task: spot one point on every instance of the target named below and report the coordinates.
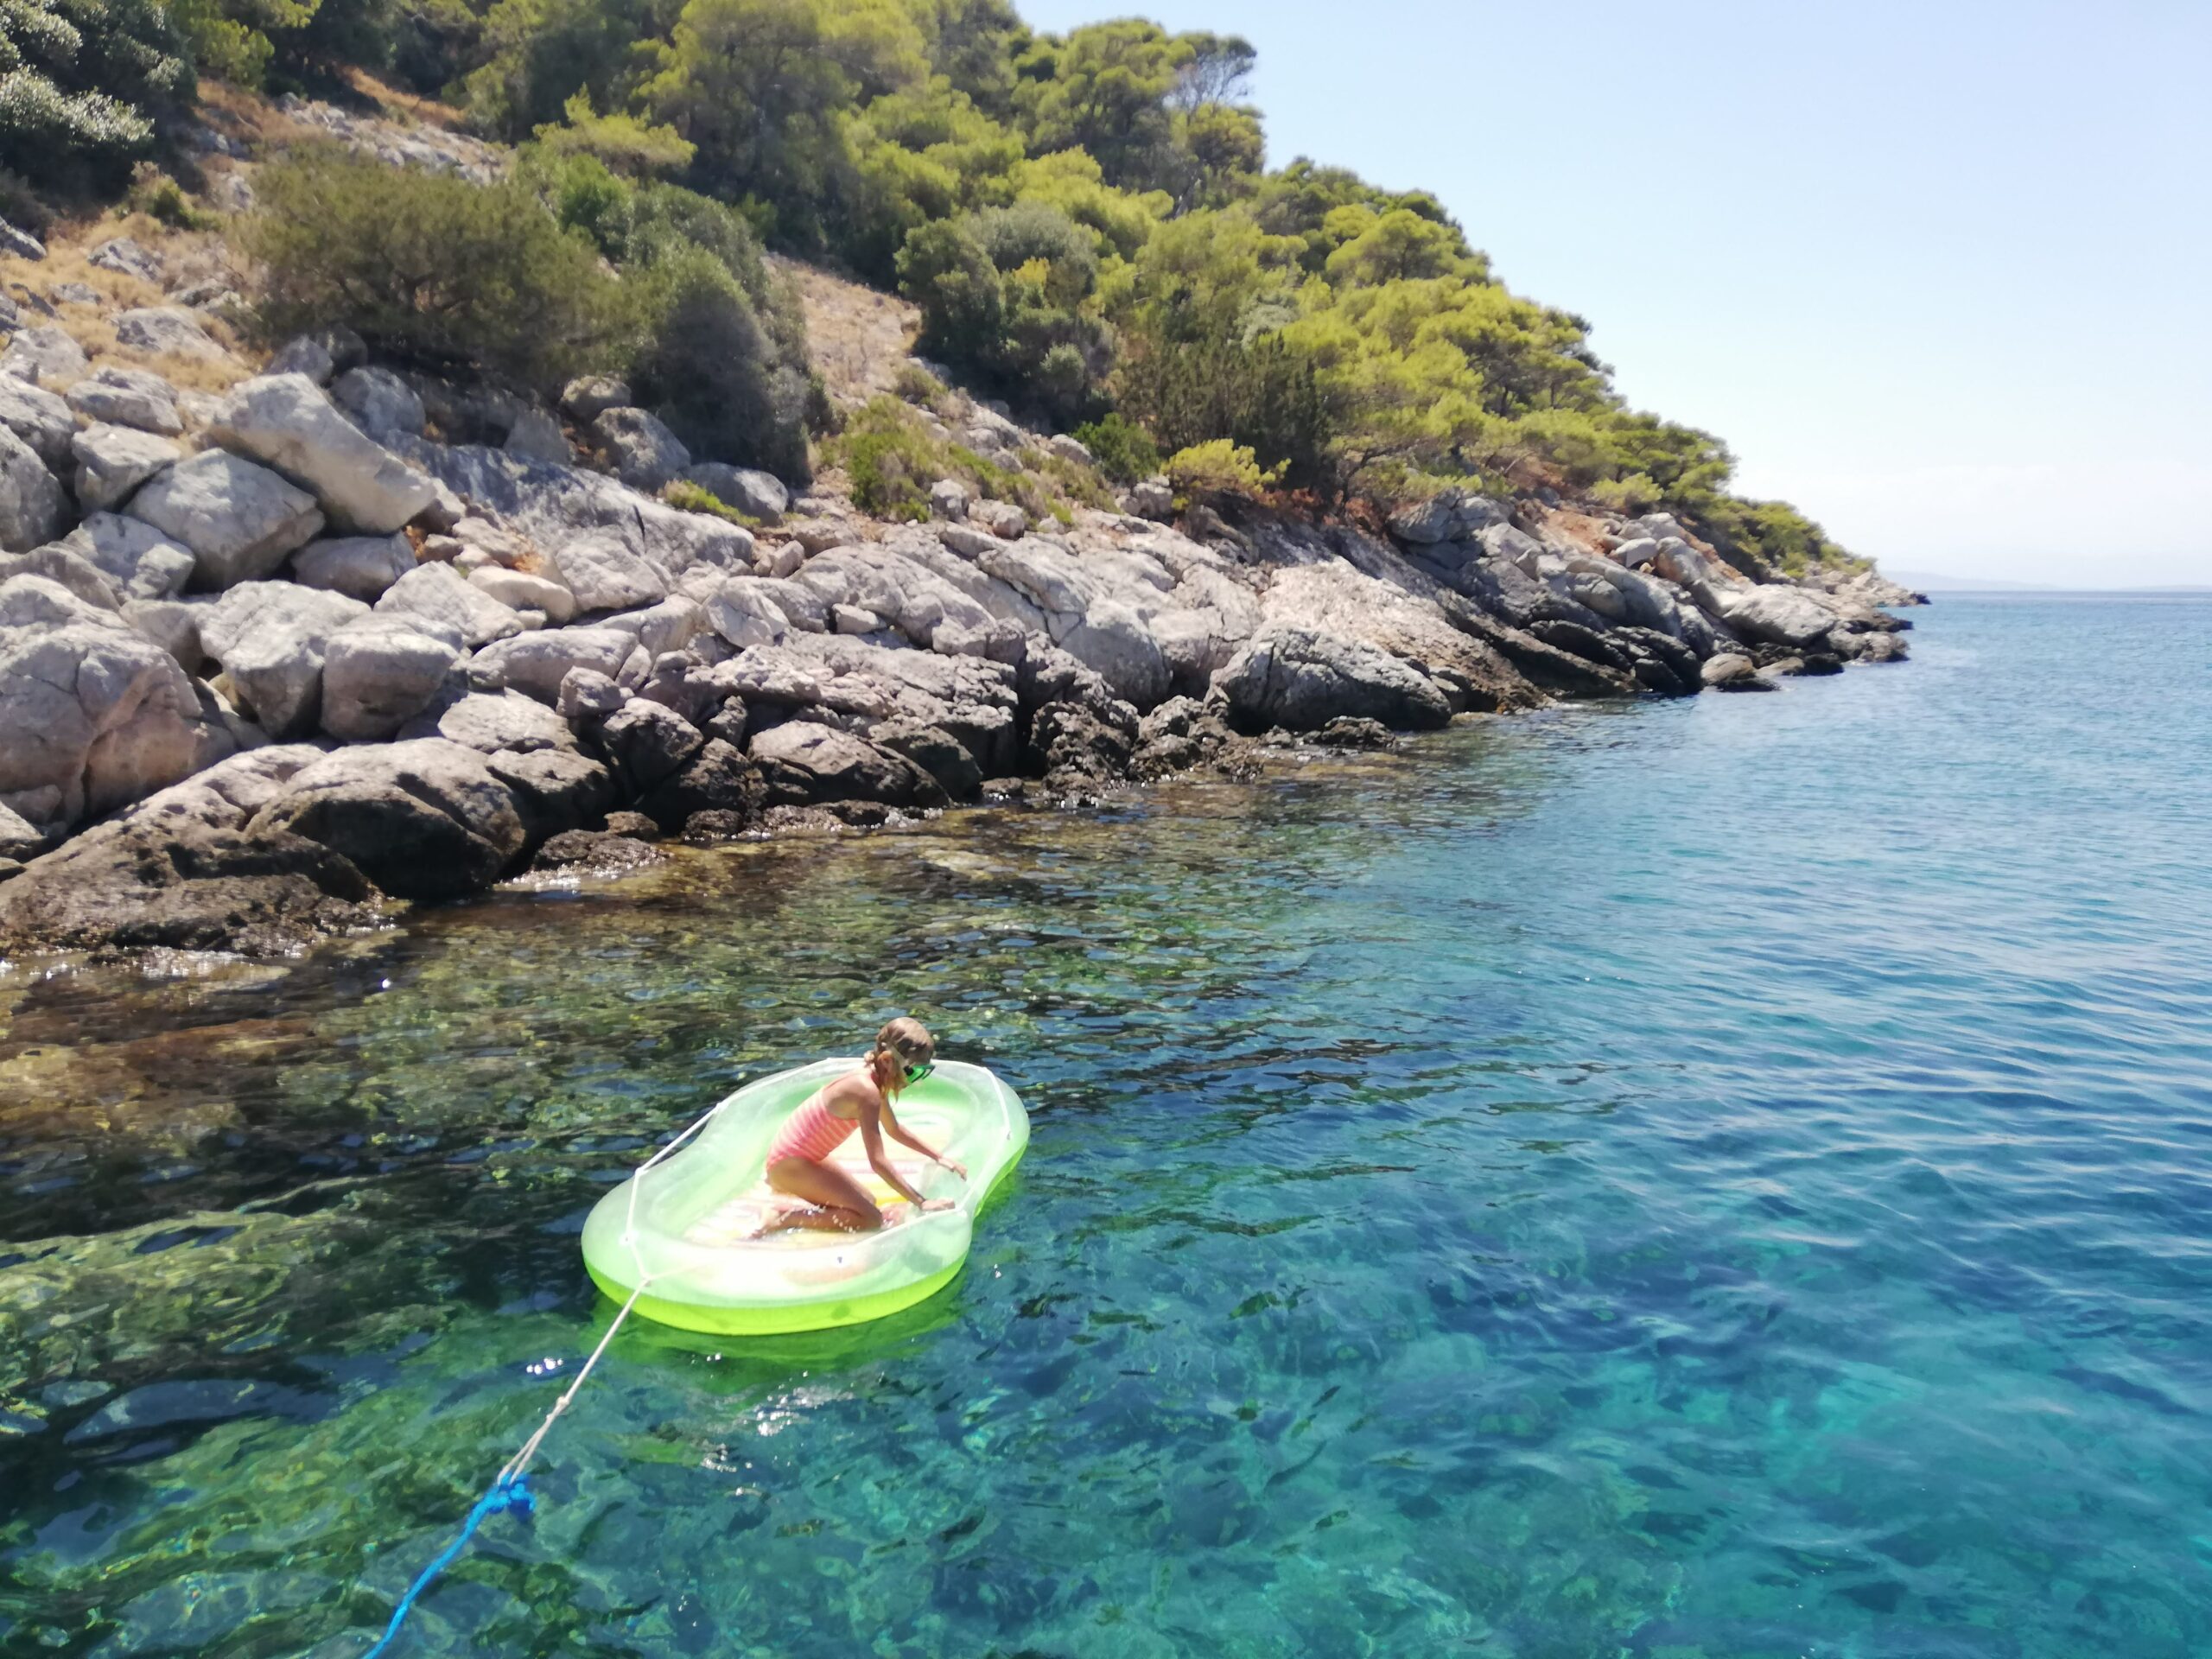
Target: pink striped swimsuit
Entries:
(812, 1133)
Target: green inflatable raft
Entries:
(683, 1224)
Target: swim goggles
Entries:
(916, 1073)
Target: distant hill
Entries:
(1927, 582)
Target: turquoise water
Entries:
(1723, 1178)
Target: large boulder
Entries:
(805, 763)
(605, 574)
(555, 790)
(179, 872)
(490, 721)
(645, 742)
(41, 419)
(126, 396)
(1451, 515)
(670, 626)
(92, 715)
(717, 778)
(1778, 615)
(382, 404)
(536, 435)
(129, 258)
(143, 563)
(59, 563)
(287, 421)
(271, 638)
(760, 495)
(520, 591)
(422, 819)
(536, 664)
(646, 455)
(167, 331)
(112, 461)
(442, 595)
(46, 356)
(1302, 679)
(33, 509)
(359, 567)
(241, 521)
(379, 672)
(590, 395)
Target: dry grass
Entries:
(859, 339)
(248, 118)
(397, 104)
(188, 256)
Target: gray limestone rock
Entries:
(382, 404)
(42, 419)
(379, 672)
(360, 567)
(646, 455)
(536, 664)
(286, 422)
(441, 594)
(167, 331)
(46, 356)
(33, 509)
(125, 396)
(92, 716)
(239, 520)
(112, 461)
(605, 574)
(271, 638)
(140, 559)
(752, 492)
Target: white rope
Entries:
(521, 1460)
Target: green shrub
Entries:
(1215, 469)
(82, 85)
(890, 458)
(1124, 450)
(693, 497)
(919, 386)
(705, 365)
(158, 196)
(428, 268)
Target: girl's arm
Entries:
(872, 1138)
(897, 1131)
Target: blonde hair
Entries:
(902, 1043)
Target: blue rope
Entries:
(508, 1492)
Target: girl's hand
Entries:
(931, 1206)
(958, 1169)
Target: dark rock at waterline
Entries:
(1081, 743)
(1812, 662)
(1351, 733)
(806, 764)
(594, 852)
(422, 819)
(145, 884)
(181, 870)
(1732, 672)
(718, 780)
(937, 753)
(1301, 678)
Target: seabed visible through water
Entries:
(1713, 1178)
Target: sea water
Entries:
(1701, 1178)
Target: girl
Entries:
(798, 1157)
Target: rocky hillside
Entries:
(285, 637)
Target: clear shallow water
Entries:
(1710, 1178)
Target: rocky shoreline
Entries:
(274, 660)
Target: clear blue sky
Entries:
(1940, 273)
